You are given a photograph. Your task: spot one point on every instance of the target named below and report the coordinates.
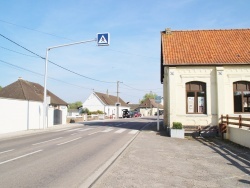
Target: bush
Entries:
(177, 125)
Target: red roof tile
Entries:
(206, 47)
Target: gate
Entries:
(57, 117)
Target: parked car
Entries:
(126, 114)
(137, 114)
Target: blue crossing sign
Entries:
(103, 39)
(158, 99)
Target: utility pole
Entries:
(117, 102)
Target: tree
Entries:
(148, 96)
(75, 105)
(0, 88)
(85, 111)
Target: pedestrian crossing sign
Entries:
(103, 39)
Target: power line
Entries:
(144, 90)
(17, 52)
(16, 66)
(46, 33)
(54, 63)
(54, 35)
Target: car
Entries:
(126, 114)
(137, 114)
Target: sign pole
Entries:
(158, 121)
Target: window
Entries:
(241, 91)
(196, 98)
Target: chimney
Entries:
(107, 93)
(168, 31)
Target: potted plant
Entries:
(177, 130)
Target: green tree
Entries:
(85, 111)
(0, 88)
(75, 105)
(148, 96)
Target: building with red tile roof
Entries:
(205, 73)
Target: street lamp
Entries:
(45, 112)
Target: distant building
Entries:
(149, 107)
(105, 103)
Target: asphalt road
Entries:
(64, 157)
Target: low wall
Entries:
(238, 135)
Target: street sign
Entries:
(103, 39)
(158, 99)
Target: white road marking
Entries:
(86, 129)
(94, 133)
(20, 157)
(74, 129)
(120, 131)
(47, 141)
(62, 130)
(107, 130)
(69, 141)
(133, 132)
(6, 151)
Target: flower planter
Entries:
(177, 133)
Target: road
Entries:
(64, 157)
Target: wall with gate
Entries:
(20, 115)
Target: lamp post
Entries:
(45, 112)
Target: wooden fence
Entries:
(239, 121)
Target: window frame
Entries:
(196, 87)
(239, 89)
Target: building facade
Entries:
(205, 74)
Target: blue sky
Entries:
(133, 56)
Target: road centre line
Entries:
(69, 141)
(22, 156)
(6, 151)
(47, 141)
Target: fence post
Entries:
(240, 121)
(221, 118)
(227, 119)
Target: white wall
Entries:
(18, 115)
(239, 135)
(64, 110)
(93, 103)
(219, 88)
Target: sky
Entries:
(28, 28)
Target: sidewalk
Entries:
(155, 160)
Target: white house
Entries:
(205, 73)
(149, 107)
(105, 103)
(21, 107)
